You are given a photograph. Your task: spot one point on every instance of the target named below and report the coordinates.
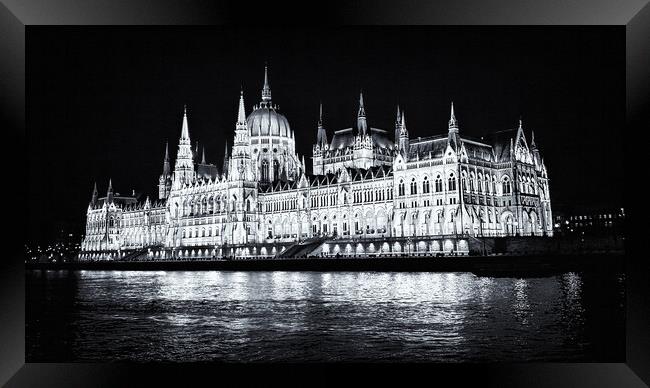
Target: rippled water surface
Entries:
(312, 316)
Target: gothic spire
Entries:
(241, 114)
(403, 141)
(185, 157)
(109, 192)
(362, 111)
(225, 159)
(95, 195)
(362, 124)
(533, 145)
(166, 166)
(398, 125)
(452, 138)
(203, 157)
(185, 132)
(266, 90)
(453, 124)
(321, 137)
(320, 115)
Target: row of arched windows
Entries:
(372, 195)
(281, 205)
(203, 232)
(426, 186)
(322, 200)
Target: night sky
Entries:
(102, 101)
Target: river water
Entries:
(104, 316)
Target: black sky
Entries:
(102, 101)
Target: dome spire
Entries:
(266, 90)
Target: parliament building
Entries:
(371, 192)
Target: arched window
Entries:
(414, 187)
(400, 188)
(438, 184)
(276, 169)
(265, 170)
(425, 185)
(451, 182)
(506, 185)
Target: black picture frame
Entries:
(633, 15)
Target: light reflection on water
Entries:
(311, 316)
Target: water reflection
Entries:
(521, 306)
(310, 316)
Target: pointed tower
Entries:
(533, 146)
(195, 154)
(242, 139)
(224, 170)
(403, 135)
(537, 159)
(109, 192)
(166, 165)
(321, 137)
(93, 200)
(362, 124)
(241, 152)
(319, 148)
(453, 139)
(398, 126)
(266, 89)
(184, 168)
(164, 182)
(203, 156)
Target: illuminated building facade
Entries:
(371, 192)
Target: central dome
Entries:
(266, 121)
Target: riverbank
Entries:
(481, 265)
